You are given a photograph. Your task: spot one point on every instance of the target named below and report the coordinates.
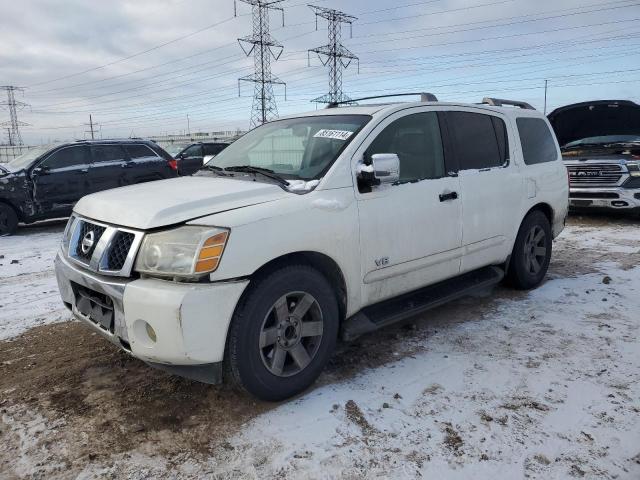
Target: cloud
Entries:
(459, 49)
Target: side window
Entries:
(476, 141)
(417, 142)
(213, 149)
(537, 141)
(139, 151)
(193, 151)
(107, 153)
(67, 157)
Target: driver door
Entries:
(60, 180)
(411, 231)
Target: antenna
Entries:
(334, 54)
(14, 124)
(263, 47)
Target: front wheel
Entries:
(531, 253)
(283, 333)
(8, 220)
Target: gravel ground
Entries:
(504, 384)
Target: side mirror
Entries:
(383, 168)
(40, 171)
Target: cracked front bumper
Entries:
(179, 327)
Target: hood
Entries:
(168, 202)
(594, 119)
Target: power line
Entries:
(334, 54)
(13, 125)
(263, 47)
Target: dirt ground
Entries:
(70, 400)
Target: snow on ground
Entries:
(28, 289)
(542, 384)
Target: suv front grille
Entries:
(88, 239)
(103, 248)
(595, 175)
(119, 249)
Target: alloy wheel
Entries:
(291, 334)
(535, 250)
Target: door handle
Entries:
(448, 196)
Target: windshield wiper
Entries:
(215, 168)
(265, 172)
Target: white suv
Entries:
(326, 224)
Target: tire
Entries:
(283, 313)
(8, 220)
(531, 253)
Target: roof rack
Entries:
(499, 102)
(424, 97)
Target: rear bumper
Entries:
(611, 198)
(178, 327)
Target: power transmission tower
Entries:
(14, 125)
(92, 127)
(263, 47)
(334, 54)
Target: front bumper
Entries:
(612, 198)
(189, 321)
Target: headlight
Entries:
(66, 236)
(634, 168)
(182, 252)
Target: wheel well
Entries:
(544, 208)
(18, 212)
(321, 262)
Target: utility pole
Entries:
(546, 82)
(92, 126)
(334, 54)
(188, 126)
(14, 124)
(263, 47)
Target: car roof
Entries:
(115, 141)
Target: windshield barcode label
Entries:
(336, 134)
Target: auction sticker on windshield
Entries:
(336, 134)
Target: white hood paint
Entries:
(167, 202)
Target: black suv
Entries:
(191, 159)
(47, 181)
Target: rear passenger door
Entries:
(107, 168)
(490, 185)
(144, 164)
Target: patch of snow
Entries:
(28, 289)
(302, 185)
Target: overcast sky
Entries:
(107, 58)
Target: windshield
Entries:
(26, 159)
(603, 140)
(299, 148)
(175, 148)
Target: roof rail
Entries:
(424, 97)
(499, 102)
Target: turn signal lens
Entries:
(210, 253)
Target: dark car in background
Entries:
(47, 181)
(600, 144)
(191, 158)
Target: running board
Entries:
(405, 306)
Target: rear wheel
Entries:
(531, 253)
(283, 333)
(8, 220)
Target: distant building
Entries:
(223, 135)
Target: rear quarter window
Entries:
(139, 151)
(538, 145)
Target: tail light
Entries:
(173, 164)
